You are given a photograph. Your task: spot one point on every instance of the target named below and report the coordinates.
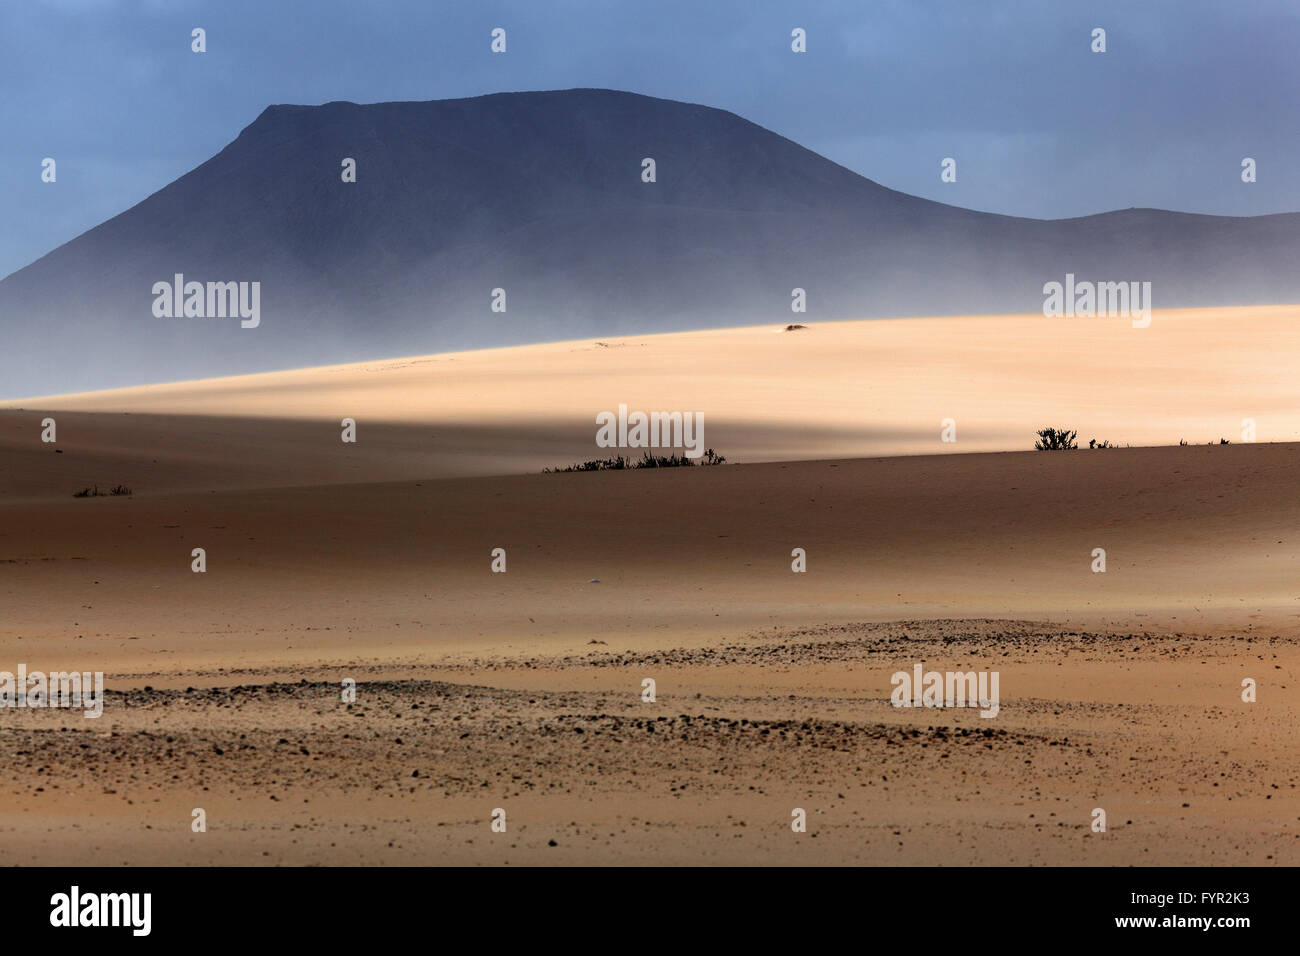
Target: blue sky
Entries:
(1039, 125)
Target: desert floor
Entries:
(522, 691)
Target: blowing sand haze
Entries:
(502, 469)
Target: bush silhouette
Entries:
(1055, 439)
(647, 460)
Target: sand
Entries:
(522, 690)
(875, 388)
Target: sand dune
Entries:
(834, 390)
(521, 690)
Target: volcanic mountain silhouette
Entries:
(541, 194)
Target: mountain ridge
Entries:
(540, 194)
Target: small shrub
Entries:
(1055, 439)
(662, 461)
(647, 460)
(600, 464)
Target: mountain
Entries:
(541, 194)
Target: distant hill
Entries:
(541, 194)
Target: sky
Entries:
(1038, 123)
